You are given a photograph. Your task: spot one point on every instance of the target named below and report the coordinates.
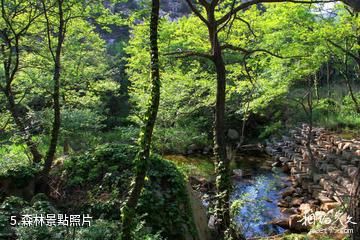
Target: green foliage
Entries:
(271, 129)
(165, 200)
(296, 237)
(178, 138)
(110, 230)
(125, 135)
(348, 105)
(12, 157)
(11, 206)
(326, 106)
(93, 165)
(39, 232)
(21, 174)
(193, 166)
(100, 229)
(187, 84)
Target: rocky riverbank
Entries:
(326, 192)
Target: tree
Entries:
(56, 57)
(342, 37)
(17, 20)
(39, 80)
(228, 11)
(142, 160)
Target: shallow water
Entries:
(256, 198)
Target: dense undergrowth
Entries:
(96, 183)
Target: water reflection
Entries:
(254, 200)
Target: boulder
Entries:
(288, 192)
(335, 174)
(288, 199)
(211, 223)
(238, 173)
(233, 134)
(317, 177)
(206, 150)
(347, 155)
(347, 145)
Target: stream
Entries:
(256, 196)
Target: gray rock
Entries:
(211, 223)
(233, 134)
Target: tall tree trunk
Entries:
(142, 160)
(355, 208)
(328, 79)
(43, 178)
(309, 111)
(316, 86)
(223, 181)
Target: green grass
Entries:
(193, 166)
(341, 122)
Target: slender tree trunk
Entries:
(328, 79)
(56, 105)
(242, 137)
(142, 161)
(355, 208)
(42, 181)
(316, 86)
(223, 181)
(310, 127)
(66, 146)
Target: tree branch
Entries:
(249, 52)
(253, 2)
(196, 12)
(247, 24)
(356, 58)
(228, 20)
(188, 53)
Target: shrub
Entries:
(165, 201)
(271, 129)
(21, 174)
(11, 206)
(177, 139)
(93, 165)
